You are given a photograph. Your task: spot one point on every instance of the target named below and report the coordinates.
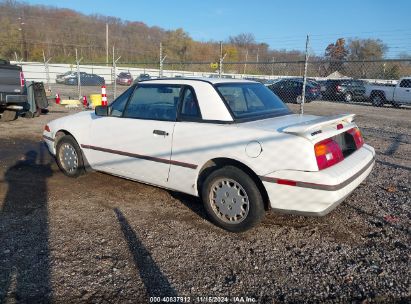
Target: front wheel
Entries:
(69, 157)
(232, 199)
(348, 97)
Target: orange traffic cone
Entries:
(103, 95)
(58, 99)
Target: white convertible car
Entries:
(232, 142)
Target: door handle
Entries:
(160, 132)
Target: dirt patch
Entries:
(103, 239)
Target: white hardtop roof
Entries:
(187, 80)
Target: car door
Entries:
(358, 88)
(135, 140)
(297, 89)
(402, 92)
(281, 89)
(187, 142)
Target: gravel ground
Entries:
(102, 239)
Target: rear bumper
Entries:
(16, 99)
(318, 193)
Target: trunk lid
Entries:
(319, 125)
(311, 127)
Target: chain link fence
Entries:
(348, 81)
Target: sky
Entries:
(280, 24)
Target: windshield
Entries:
(247, 100)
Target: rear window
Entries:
(249, 100)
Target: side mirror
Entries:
(101, 110)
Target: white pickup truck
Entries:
(399, 94)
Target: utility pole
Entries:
(245, 63)
(46, 68)
(78, 76)
(115, 73)
(160, 73)
(220, 66)
(257, 65)
(106, 43)
(304, 77)
(23, 37)
(18, 61)
(272, 66)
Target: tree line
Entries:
(29, 31)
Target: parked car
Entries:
(343, 89)
(399, 94)
(60, 78)
(310, 81)
(13, 97)
(269, 82)
(290, 90)
(232, 142)
(142, 77)
(124, 78)
(85, 80)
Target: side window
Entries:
(189, 106)
(117, 106)
(156, 102)
(405, 83)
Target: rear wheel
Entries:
(232, 199)
(8, 115)
(395, 104)
(69, 157)
(377, 100)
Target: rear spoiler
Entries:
(316, 124)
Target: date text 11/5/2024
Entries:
(204, 299)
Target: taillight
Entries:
(21, 79)
(358, 139)
(327, 153)
(339, 88)
(47, 128)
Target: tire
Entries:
(8, 115)
(28, 114)
(377, 100)
(69, 157)
(299, 99)
(233, 184)
(348, 97)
